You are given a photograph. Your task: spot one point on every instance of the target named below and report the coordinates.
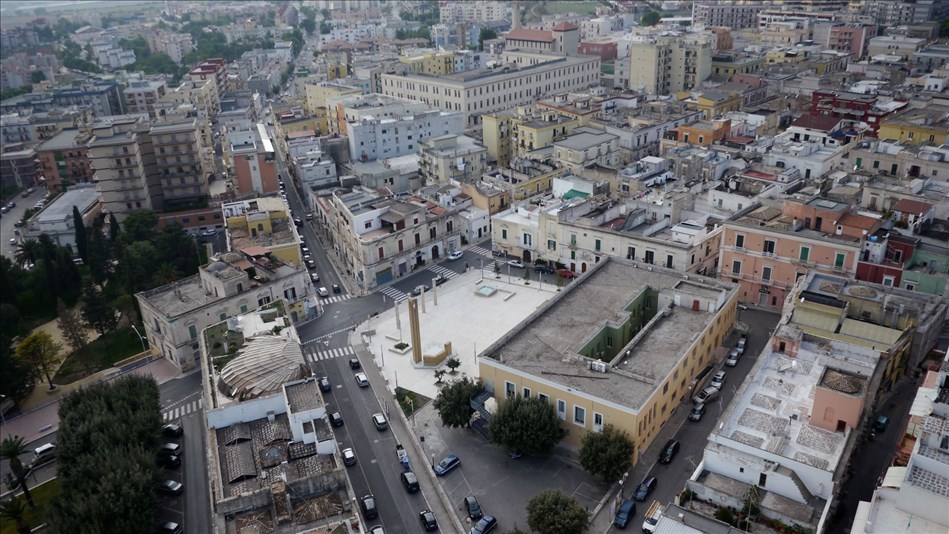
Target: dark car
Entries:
(172, 430)
(171, 487)
(626, 512)
(428, 520)
(566, 273)
(354, 363)
(170, 527)
(336, 288)
(349, 457)
(445, 466)
(484, 525)
(410, 481)
(546, 269)
(368, 503)
(697, 412)
(473, 507)
(336, 419)
(881, 423)
(325, 386)
(169, 461)
(439, 280)
(669, 451)
(170, 449)
(645, 488)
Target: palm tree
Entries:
(10, 449)
(27, 252)
(14, 509)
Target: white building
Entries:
(56, 219)
(316, 169)
(383, 138)
(350, 34)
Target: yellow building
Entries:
(917, 126)
(725, 65)
(630, 361)
(510, 134)
(433, 63)
(262, 226)
(496, 135)
(715, 103)
(318, 93)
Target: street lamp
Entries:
(140, 338)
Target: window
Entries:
(508, 389)
(526, 393)
(222, 317)
(766, 274)
(503, 233)
(888, 280)
(669, 261)
(243, 308)
(805, 253)
(579, 416)
(597, 422)
(630, 253)
(561, 409)
(596, 245)
(736, 267)
(367, 225)
(768, 247)
(543, 397)
(650, 257)
(527, 240)
(290, 293)
(551, 244)
(193, 332)
(382, 252)
(739, 241)
(839, 261)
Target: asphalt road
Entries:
(15, 214)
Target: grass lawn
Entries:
(100, 354)
(580, 8)
(410, 401)
(42, 495)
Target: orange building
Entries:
(703, 133)
(64, 160)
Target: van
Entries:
(44, 453)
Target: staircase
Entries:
(482, 420)
(806, 496)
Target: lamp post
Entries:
(140, 338)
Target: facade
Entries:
(56, 219)
(431, 63)
(18, 169)
(916, 126)
(666, 64)
(653, 324)
(475, 93)
(853, 39)
(853, 106)
(141, 96)
(177, 147)
(895, 45)
(903, 161)
(64, 160)
(587, 146)
(318, 97)
(451, 158)
(124, 166)
(513, 133)
(254, 161)
(16, 129)
(380, 127)
(887, 13)
(731, 14)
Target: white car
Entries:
(455, 255)
(362, 380)
(323, 292)
(516, 263)
(718, 380)
(209, 232)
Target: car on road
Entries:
(566, 273)
(429, 523)
(645, 488)
(314, 277)
(419, 289)
(380, 421)
(368, 503)
(447, 464)
(169, 449)
(336, 419)
(309, 216)
(732, 359)
(354, 363)
(209, 232)
(170, 461)
(310, 264)
(455, 255)
(718, 380)
(13, 241)
(324, 383)
(362, 380)
(473, 507)
(170, 527)
(377, 530)
(305, 250)
(323, 292)
(669, 451)
(349, 457)
(336, 288)
(171, 487)
(484, 525)
(516, 264)
(698, 410)
(740, 346)
(626, 512)
(542, 268)
(172, 430)
(706, 396)
(410, 481)
(440, 279)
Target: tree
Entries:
(528, 426)
(527, 274)
(606, 454)
(39, 351)
(325, 28)
(97, 314)
(453, 364)
(114, 228)
(309, 26)
(11, 448)
(944, 28)
(16, 380)
(486, 35)
(497, 269)
(14, 510)
(166, 274)
(454, 401)
(554, 512)
(82, 240)
(70, 324)
(37, 76)
(140, 226)
(27, 252)
(651, 18)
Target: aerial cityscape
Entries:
(472, 266)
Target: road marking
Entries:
(394, 294)
(313, 355)
(444, 271)
(331, 334)
(183, 410)
(480, 250)
(330, 300)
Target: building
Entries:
(732, 14)
(562, 39)
(18, 168)
(866, 108)
(477, 11)
(254, 160)
(514, 133)
(628, 363)
(475, 93)
(587, 146)
(141, 96)
(895, 45)
(451, 158)
(318, 96)
(918, 125)
(666, 64)
(640, 129)
(124, 166)
(64, 160)
(102, 97)
(56, 219)
(908, 161)
(852, 38)
(727, 64)
(16, 129)
(431, 63)
(380, 239)
(177, 147)
(886, 13)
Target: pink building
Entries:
(852, 38)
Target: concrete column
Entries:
(416, 332)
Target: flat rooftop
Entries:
(61, 208)
(549, 344)
(179, 297)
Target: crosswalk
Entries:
(444, 271)
(338, 298)
(312, 355)
(394, 294)
(480, 250)
(401, 296)
(181, 411)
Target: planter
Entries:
(404, 350)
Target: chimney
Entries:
(515, 15)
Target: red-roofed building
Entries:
(853, 106)
(913, 214)
(562, 39)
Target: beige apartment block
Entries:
(449, 158)
(178, 148)
(124, 166)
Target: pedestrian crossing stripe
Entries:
(181, 411)
(314, 355)
(480, 250)
(331, 334)
(330, 300)
(447, 273)
(394, 294)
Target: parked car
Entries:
(626, 512)
(706, 396)
(473, 507)
(349, 457)
(362, 380)
(732, 359)
(336, 288)
(484, 525)
(172, 430)
(325, 386)
(881, 423)
(455, 255)
(323, 292)
(419, 289)
(410, 481)
(368, 503)
(718, 380)
(171, 487)
(314, 277)
(209, 232)
(742, 343)
(429, 523)
(541, 268)
(336, 419)
(645, 488)
(669, 451)
(440, 279)
(376, 530)
(354, 363)
(566, 273)
(698, 410)
(169, 449)
(516, 264)
(380, 421)
(169, 461)
(170, 527)
(310, 264)
(447, 464)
